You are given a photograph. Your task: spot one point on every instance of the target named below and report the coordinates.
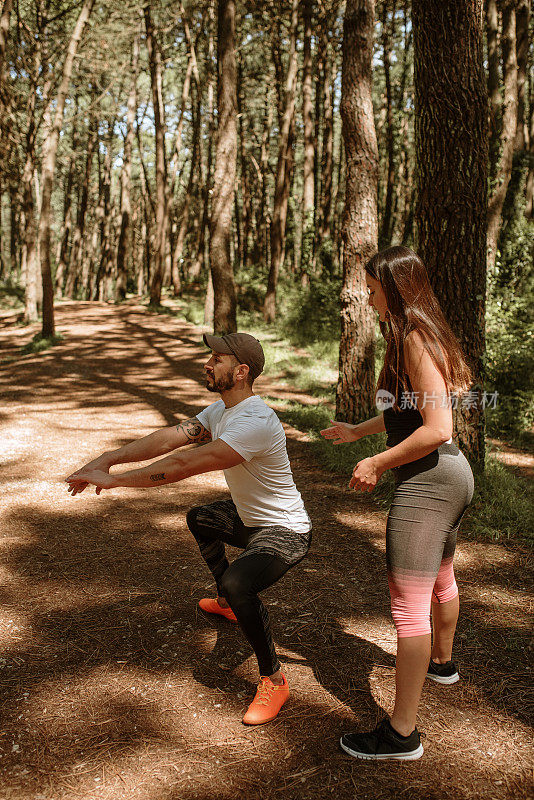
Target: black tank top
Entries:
(401, 424)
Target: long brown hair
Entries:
(413, 306)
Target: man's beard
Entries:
(219, 385)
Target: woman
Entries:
(423, 368)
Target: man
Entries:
(265, 517)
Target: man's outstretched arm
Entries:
(156, 444)
(216, 455)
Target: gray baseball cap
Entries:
(243, 346)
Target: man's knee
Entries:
(235, 584)
(191, 518)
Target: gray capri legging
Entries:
(430, 499)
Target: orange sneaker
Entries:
(267, 703)
(211, 605)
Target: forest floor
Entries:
(114, 685)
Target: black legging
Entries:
(268, 553)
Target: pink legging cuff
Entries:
(411, 597)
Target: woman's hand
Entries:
(365, 475)
(79, 480)
(341, 432)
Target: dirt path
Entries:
(112, 685)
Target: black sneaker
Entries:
(443, 673)
(382, 743)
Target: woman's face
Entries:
(377, 298)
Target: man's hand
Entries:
(78, 481)
(101, 463)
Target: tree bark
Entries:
(245, 192)
(509, 126)
(48, 171)
(514, 200)
(283, 168)
(327, 160)
(308, 178)
(224, 317)
(154, 60)
(186, 205)
(75, 264)
(356, 384)
(198, 264)
(126, 178)
(7, 5)
(102, 289)
(494, 86)
(529, 191)
(451, 142)
(63, 248)
(260, 252)
(384, 237)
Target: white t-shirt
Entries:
(262, 486)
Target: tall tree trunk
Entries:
(451, 129)
(384, 237)
(308, 187)
(245, 192)
(7, 5)
(509, 125)
(154, 60)
(513, 203)
(31, 265)
(494, 86)
(224, 318)
(356, 384)
(126, 176)
(14, 229)
(186, 205)
(75, 265)
(64, 240)
(279, 215)
(327, 161)
(48, 171)
(260, 252)
(102, 289)
(5, 15)
(198, 264)
(319, 134)
(529, 191)
(522, 48)
(403, 188)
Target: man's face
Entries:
(220, 372)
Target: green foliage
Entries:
(510, 334)
(11, 296)
(503, 504)
(40, 343)
(312, 313)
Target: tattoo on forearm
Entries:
(159, 476)
(194, 430)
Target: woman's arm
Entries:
(342, 432)
(427, 382)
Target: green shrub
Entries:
(510, 334)
(503, 504)
(314, 313)
(39, 343)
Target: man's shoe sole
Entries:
(413, 755)
(263, 721)
(445, 680)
